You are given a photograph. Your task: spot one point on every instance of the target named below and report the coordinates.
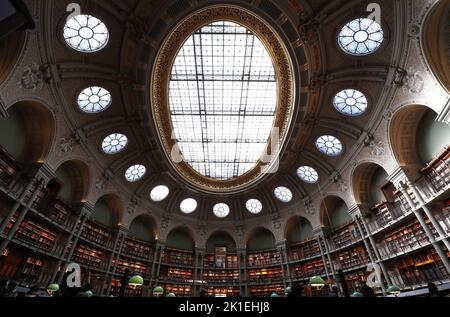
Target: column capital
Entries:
(45, 172)
(200, 250)
(397, 177)
(320, 231)
(121, 229)
(282, 243)
(86, 209)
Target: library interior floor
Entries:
(226, 148)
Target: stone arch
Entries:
(434, 40)
(403, 134)
(333, 212)
(10, 50)
(362, 182)
(176, 236)
(226, 239)
(295, 228)
(138, 226)
(74, 178)
(108, 209)
(266, 236)
(35, 125)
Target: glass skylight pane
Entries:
(222, 97)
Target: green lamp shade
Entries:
(171, 295)
(356, 294)
(316, 281)
(394, 289)
(158, 290)
(87, 294)
(53, 287)
(288, 289)
(136, 280)
(274, 294)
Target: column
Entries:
(378, 259)
(198, 271)
(39, 185)
(430, 215)
(159, 250)
(122, 233)
(17, 203)
(281, 246)
(77, 233)
(72, 233)
(369, 249)
(243, 276)
(402, 187)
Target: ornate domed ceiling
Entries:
(214, 77)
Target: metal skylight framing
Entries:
(222, 99)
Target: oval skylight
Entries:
(85, 33)
(361, 37)
(159, 193)
(308, 174)
(283, 194)
(188, 205)
(114, 143)
(254, 206)
(221, 210)
(135, 173)
(329, 145)
(94, 99)
(350, 102)
(222, 100)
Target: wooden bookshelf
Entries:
(58, 211)
(9, 168)
(176, 274)
(178, 290)
(130, 291)
(231, 261)
(352, 258)
(402, 239)
(222, 291)
(31, 269)
(437, 171)
(345, 235)
(177, 257)
(265, 275)
(95, 232)
(137, 248)
(270, 257)
(356, 279)
(32, 233)
(266, 290)
(221, 277)
(39, 196)
(89, 256)
(308, 269)
(304, 250)
(421, 267)
(135, 266)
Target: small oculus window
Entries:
(135, 173)
(308, 174)
(188, 205)
(329, 145)
(159, 193)
(94, 99)
(254, 206)
(283, 194)
(85, 33)
(350, 102)
(221, 210)
(361, 37)
(114, 143)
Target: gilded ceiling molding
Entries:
(160, 89)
